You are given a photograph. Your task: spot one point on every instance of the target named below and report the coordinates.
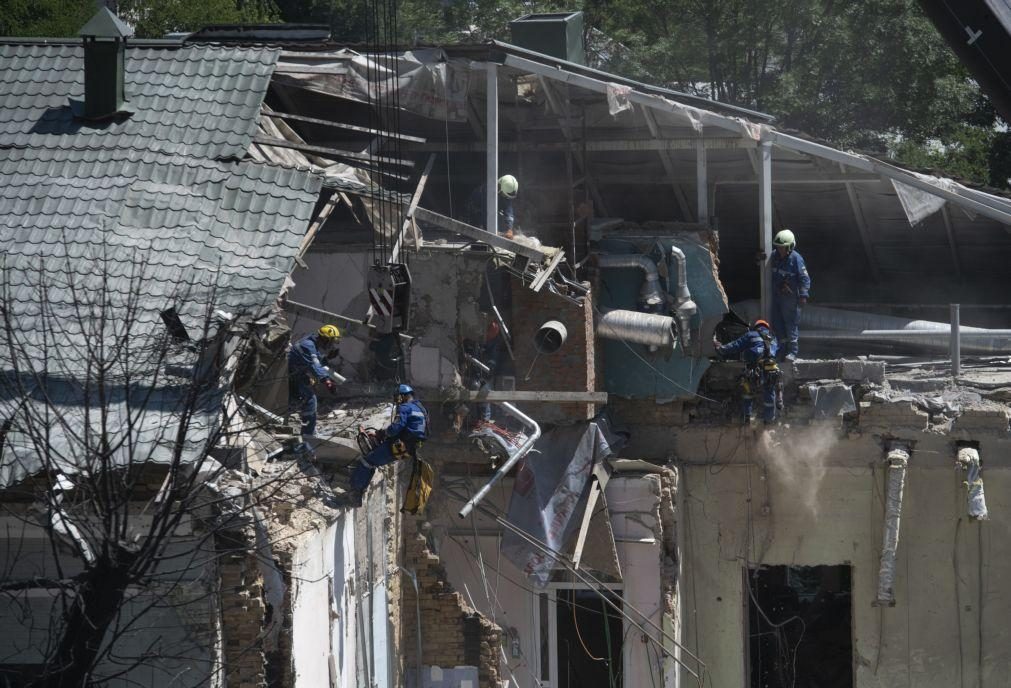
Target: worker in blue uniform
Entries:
(508, 187)
(757, 348)
(307, 365)
(791, 285)
(400, 440)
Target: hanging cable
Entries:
(600, 589)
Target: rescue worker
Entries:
(508, 187)
(757, 348)
(307, 365)
(400, 440)
(790, 287)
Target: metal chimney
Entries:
(104, 38)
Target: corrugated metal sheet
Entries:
(201, 100)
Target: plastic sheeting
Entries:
(919, 204)
(426, 83)
(548, 492)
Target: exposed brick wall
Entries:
(242, 615)
(452, 633)
(572, 368)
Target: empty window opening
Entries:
(799, 627)
(590, 638)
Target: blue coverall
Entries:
(402, 438)
(750, 347)
(304, 364)
(476, 205)
(790, 283)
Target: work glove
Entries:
(802, 300)
(330, 385)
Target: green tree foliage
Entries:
(150, 18)
(154, 18)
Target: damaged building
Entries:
(612, 523)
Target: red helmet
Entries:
(762, 323)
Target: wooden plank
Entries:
(329, 152)
(409, 217)
(316, 225)
(584, 526)
(342, 125)
(545, 273)
(425, 215)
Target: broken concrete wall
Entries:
(506, 596)
(446, 285)
(813, 496)
(570, 369)
(451, 634)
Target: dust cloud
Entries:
(799, 463)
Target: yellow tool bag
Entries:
(419, 489)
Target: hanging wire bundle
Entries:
(383, 77)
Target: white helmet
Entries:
(785, 238)
(508, 186)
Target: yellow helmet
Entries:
(329, 332)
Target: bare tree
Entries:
(114, 397)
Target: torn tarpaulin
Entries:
(548, 491)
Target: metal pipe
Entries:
(956, 341)
(649, 329)
(974, 342)
(650, 294)
(968, 460)
(822, 318)
(684, 305)
(521, 451)
(898, 458)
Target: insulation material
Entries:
(548, 492)
(898, 458)
(428, 83)
(968, 461)
(617, 98)
(919, 204)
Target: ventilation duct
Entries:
(897, 460)
(558, 34)
(684, 306)
(634, 327)
(104, 39)
(650, 295)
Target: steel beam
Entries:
(491, 149)
(977, 202)
(765, 225)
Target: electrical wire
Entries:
(598, 587)
(579, 635)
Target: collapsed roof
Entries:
(106, 224)
(865, 226)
